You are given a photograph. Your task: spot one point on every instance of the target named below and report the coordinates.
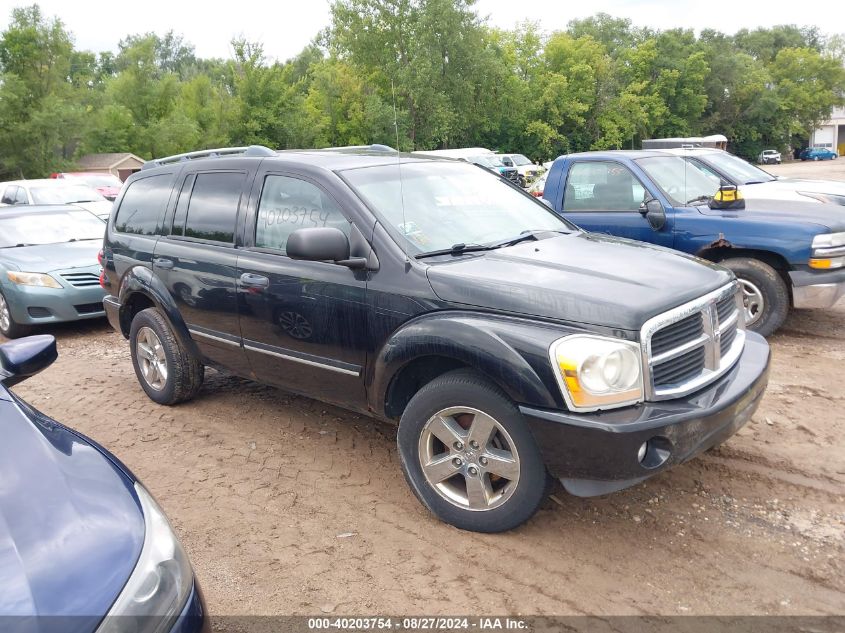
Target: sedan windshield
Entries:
(431, 206)
(682, 182)
(49, 228)
(736, 169)
(64, 195)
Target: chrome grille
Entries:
(81, 280)
(692, 345)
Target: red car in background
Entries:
(108, 185)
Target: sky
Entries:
(285, 27)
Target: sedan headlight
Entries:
(595, 372)
(161, 582)
(33, 279)
(828, 251)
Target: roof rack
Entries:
(375, 148)
(252, 150)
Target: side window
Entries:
(507, 161)
(288, 204)
(9, 195)
(142, 205)
(182, 206)
(213, 206)
(20, 196)
(602, 186)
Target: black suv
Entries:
(505, 342)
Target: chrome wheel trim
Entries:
(752, 299)
(5, 315)
(475, 465)
(151, 358)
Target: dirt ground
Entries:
(288, 506)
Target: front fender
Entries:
(511, 352)
(141, 279)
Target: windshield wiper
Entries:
(460, 249)
(700, 199)
(456, 249)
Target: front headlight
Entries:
(595, 372)
(33, 279)
(828, 251)
(159, 585)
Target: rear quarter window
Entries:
(143, 205)
(213, 207)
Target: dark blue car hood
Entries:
(826, 216)
(71, 528)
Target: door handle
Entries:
(163, 262)
(250, 280)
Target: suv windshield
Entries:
(431, 206)
(681, 182)
(64, 194)
(49, 228)
(737, 169)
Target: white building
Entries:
(831, 134)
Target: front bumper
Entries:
(32, 305)
(817, 289)
(597, 453)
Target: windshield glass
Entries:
(519, 160)
(49, 228)
(736, 168)
(679, 180)
(488, 160)
(106, 180)
(437, 205)
(67, 194)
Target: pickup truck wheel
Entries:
(764, 294)
(8, 327)
(469, 456)
(166, 372)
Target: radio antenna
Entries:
(399, 166)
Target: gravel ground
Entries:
(289, 506)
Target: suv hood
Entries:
(71, 528)
(789, 188)
(49, 257)
(578, 278)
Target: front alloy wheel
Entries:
(469, 458)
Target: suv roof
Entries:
(332, 158)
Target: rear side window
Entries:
(20, 196)
(142, 205)
(9, 195)
(288, 204)
(213, 206)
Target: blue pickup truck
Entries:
(785, 254)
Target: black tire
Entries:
(11, 329)
(184, 373)
(465, 388)
(773, 291)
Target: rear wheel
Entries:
(764, 294)
(8, 327)
(167, 372)
(469, 456)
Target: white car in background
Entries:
(528, 171)
(45, 191)
(756, 183)
(769, 157)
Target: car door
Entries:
(197, 261)
(605, 196)
(303, 322)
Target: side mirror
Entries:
(322, 244)
(26, 357)
(653, 211)
(728, 197)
